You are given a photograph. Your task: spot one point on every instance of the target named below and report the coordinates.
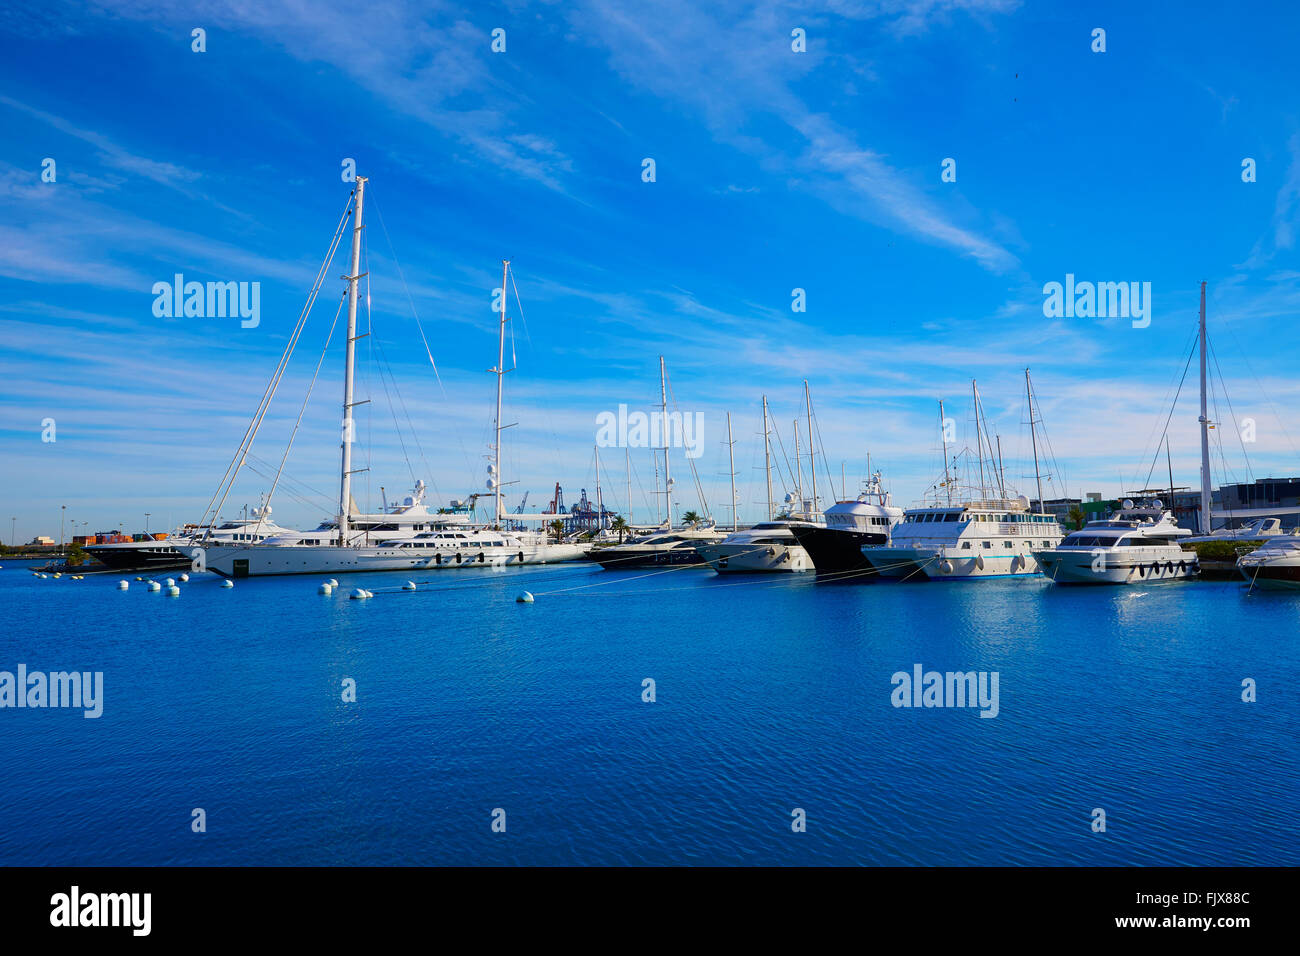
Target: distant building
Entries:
(42, 541)
(1240, 503)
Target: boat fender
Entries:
(521, 557)
(979, 562)
(437, 559)
(481, 558)
(945, 566)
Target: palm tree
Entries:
(1075, 517)
(557, 529)
(690, 518)
(619, 525)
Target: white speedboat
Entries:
(1274, 565)
(976, 539)
(1137, 545)
(769, 546)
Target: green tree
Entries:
(76, 556)
(1075, 517)
(690, 518)
(557, 529)
(619, 525)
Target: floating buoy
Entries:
(360, 594)
(139, 578)
(173, 591)
(524, 598)
(171, 582)
(155, 586)
(123, 585)
(185, 577)
(227, 583)
(58, 576)
(333, 582)
(325, 588)
(408, 586)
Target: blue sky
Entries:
(775, 170)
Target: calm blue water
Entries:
(771, 694)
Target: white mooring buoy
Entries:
(360, 594)
(333, 582)
(525, 598)
(171, 582)
(155, 586)
(325, 589)
(185, 578)
(408, 586)
(123, 585)
(173, 591)
(227, 583)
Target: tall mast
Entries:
(501, 374)
(1170, 462)
(668, 481)
(943, 442)
(354, 278)
(812, 445)
(767, 458)
(1206, 518)
(798, 468)
(979, 442)
(1002, 475)
(731, 467)
(1033, 438)
(627, 464)
(600, 502)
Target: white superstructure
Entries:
(1137, 545)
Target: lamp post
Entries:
(63, 513)
(146, 523)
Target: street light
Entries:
(63, 513)
(146, 523)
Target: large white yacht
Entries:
(170, 551)
(1137, 545)
(975, 539)
(864, 521)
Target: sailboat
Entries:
(440, 542)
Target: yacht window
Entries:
(986, 544)
(1007, 544)
(965, 545)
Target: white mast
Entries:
(812, 445)
(627, 464)
(668, 481)
(354, 278)
(1033, 438)
(767, 459)
(500, 372)
(731, 467)
(943, 442)
(1206, 518)
(979, 441)
(600, 505)
(798, 469)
